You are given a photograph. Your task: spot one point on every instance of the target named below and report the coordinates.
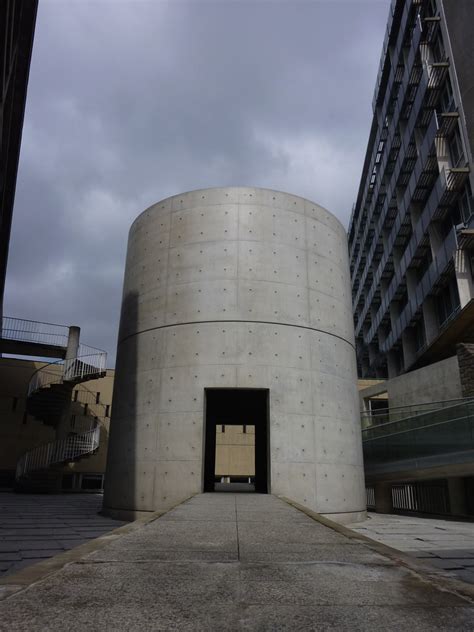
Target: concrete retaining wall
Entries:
(433, 383)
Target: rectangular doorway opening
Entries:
(236, 445)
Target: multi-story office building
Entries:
(17, 25)
(412, 227)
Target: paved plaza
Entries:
(34, 527)
(235, 562)
(444, 544)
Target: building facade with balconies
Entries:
(411, 233)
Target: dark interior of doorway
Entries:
(237, 406)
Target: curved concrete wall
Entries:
(236, 287)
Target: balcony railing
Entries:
(57, 452)
(70, 370)
(445, 191)
(417, 171)
(416, 38)
(21, 330)
(441, 432)
(407, 136)
(385, 420)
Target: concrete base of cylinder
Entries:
(346, 518)
(125, 514)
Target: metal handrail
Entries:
(55, 452)
(84, 365)
(405, 414)
(432, 435)
(24, 330)
(88, 350)
(73, 369)
(417, 420)
(386, 409)
(422, 427)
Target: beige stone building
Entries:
(235, 452)
(20, 432)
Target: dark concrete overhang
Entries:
(460, 329)
(424, 468)
(35, 349)
(466, 239)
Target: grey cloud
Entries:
(130, 102)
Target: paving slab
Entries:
(467, 575)
(445, 544)
(183, 572)
(38, 526)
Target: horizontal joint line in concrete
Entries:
(233, 320)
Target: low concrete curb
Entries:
(21, 580)
(421, 569)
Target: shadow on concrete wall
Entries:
(121, 484)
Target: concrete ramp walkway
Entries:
(235, 562)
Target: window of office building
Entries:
(466, 203)
(452, 219)
(459, 214)
(431, 10)
(447, 301)
(389, 274)
(378, 407)
(456, 151)
(446, 100)
(424, 264)
(403, 302)
(419, 334)
(438, 48)
(92, 481)
(398, 360)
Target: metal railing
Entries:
(383, 417)
(444, 431)
(23, 330)
(403, 207)
(71, 370)
(429, 138)
(84, 365)
(370, 496)
(426, 497)
(56, 452)
(43, 377)
(407, 74)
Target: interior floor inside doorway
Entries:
(234, 487)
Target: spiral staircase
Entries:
(34, 469)
(50, 388)
(49, 398)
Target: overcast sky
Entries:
(131, 102)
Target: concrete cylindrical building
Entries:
(236, 306)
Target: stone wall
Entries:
(436, 382)
(465, 356)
